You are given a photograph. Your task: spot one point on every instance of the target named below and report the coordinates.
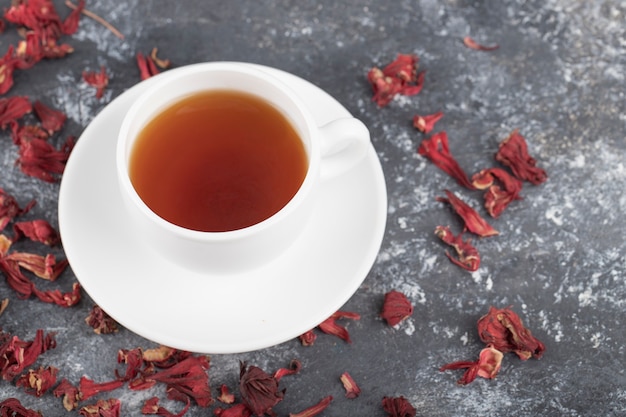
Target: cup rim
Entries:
(309, 127)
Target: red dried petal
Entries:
(497, 198)
(102, 408)
(70, 24)
(151, 407)
(398, 407)
(473, 221)
(436, 149)
(12, 108)
(133, 359)
(487, 365)
(147, 66)
(513, 152)
(294, 367)
(307, 338)
(237, 410)
(67, 299)
(53, 50)
(315, 409)
(16, 354)
(38, 231)
(38, 382)
(8, 63)
(161, 63)
(39, 159)
(100, 321)
(468, 256)
(351, 387)
(330, 326)
(70, 393)
(396, 308)
(29, 51)
(99, 80)
(472, 44)
(398, 77)
(45, 267)
(51, 120)
(9, 208)
(426, 123)
(13, 407)
(503, 329)
(28, 133)
(259, 390)
(88, 388)
(225, 396)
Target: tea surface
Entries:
(218, 161)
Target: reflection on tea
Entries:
(218, 161)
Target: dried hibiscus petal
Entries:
(99, 80)
(51, 120)
(70, 24)
(487, 366)
(396, 308)
(88, 388)
(13, 108)
(38, 382)
(497, 197)
(472, 44)
(100, 321)
(9, 208)
(351, 387)
(152, 407)
(16, 354)
(314, 409)
(27, 133)
(225, 396)
(147, 66)
(436, 149)
(468, 256)
(307, 338)
(513, 152)
(294, 367)
(39, 159)
(237, 410)
(38, 231)
(102, 408)
(70, 393)
(398, 407)
(426, 123)
(503, 329)
(259, 390)
(12, 407)
(473, 221)
(8, 63)
(398, 77)
(330, 325)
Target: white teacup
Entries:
(331, 149)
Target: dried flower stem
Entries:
(97, 18)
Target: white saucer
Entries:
(206, 313)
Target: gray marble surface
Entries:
(559, 261)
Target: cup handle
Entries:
(345, 142)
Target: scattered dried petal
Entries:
(315, 409)
(473, 221)
(161, 63)
(8, 64)
(99, 80)
(398, 407)
(38, 231)
(225, 396)
(3, 305)
(12, 108)
(351, 387)
(497, 197)
(16, 354)
(70, 24)
(71, 394)
(330, 326)
(12, 407)
(102, 408)
(513, 152)
(38, 382)
(100, 321)
(51, 120)
(398, 77)
(426, 123)
(151, 407)
(294, 367)
(396, 308)
(147, 66)
(237, 410)
(307, 338)
(487, 366)
(503, 329)
(39, 159)
(436, 149)
(88, 388)
(468, 256)
(259, 390)
(472, 44)
(9, 208)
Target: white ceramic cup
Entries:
(331, 149)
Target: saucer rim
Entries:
(97, 292)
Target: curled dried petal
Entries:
(398, 77)
(426, 123)
(487, 365)
(99, 80)
(468, 256)
(152, 407)
(9, 208)
(351, 387)
(513, 152)
(497, 197)
(330, 325)
(51, 120)
(472, 44)
(70, 393)
(315, 409)
(12, 108)
(259, 390)
(294, 367)
(88, 388)
(39, 159)
(225, 396)
(396, 308)
(102, 408)
(503, 329)
(237, 410)
(17, 354)
(38, 231)
(38, 382)
(473, 221)
(398, 407)
(437, 150)
(307, 338)
(100, 321)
